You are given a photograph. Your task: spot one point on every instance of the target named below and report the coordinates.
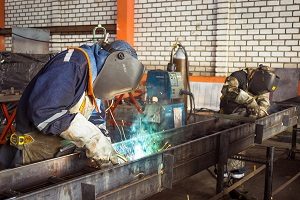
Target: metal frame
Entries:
(196, 147)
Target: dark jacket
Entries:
(53, 91)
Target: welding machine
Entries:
(164, 85)
(165, 106)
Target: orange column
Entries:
(125, 21)
(2, 24)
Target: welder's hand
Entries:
(258, 112)
(262, 112)
(85, 134)
(252, 106)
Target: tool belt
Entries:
(36, 146)
(18, 140)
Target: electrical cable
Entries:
(122, 157)
(112, 116)
(112, 102)
(53, 42)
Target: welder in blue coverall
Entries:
(58, 102)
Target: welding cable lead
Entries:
(122, 157)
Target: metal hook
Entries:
(97, 37)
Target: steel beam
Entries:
(275, 123)
(195, 148)
(66, 30)
(269, 173)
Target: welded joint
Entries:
(286, 120)
(88, 191)
(259, 132)
(167, 171)
(289, 121)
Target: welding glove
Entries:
(85, 134)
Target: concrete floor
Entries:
(202, 185)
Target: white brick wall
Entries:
(220, 36)
(41, 13)
(259, 32)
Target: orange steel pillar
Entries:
(2, 24)
(125, 21)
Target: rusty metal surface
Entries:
(104, 180)
(66, 30)
(34, 174)
(276, 123)
(167, 171)
(195, 147)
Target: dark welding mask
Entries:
(120, 73)
(262, 80)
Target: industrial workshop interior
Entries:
(150, 99)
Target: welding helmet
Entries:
(121, 71)
(262, 80)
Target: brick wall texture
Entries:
(220, 36)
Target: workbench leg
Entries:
(269, 173)
(220, 178)
(222, 160)
(294, 142)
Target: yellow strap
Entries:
(90, 91)
(82, 106)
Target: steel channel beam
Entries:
(26, 176)
(34, 174)
(120, 176)
(106, 180)
(137, 190)
(197, 155)
(275, 123)
(145, 174)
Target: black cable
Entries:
(51, 42)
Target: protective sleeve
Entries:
(99, 118)
(264, 104)
(230, 88)
(52, 96)
(232, 92)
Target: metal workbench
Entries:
(196, 147)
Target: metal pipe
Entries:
(2, 24)
(269, 173)
(222, 160)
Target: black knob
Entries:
(121, 55)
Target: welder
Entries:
(56, 105)
(246, 92)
